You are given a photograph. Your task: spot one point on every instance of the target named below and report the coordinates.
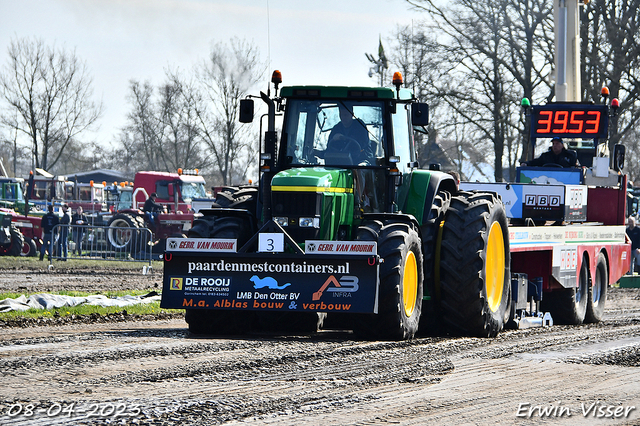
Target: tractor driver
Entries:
(151, 209)
(349, 135)
(557, 154)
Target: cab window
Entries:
(402, 137)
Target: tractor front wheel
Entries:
(401, 282)
(29, 248)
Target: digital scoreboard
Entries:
(586, 121)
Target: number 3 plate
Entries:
(272, 242)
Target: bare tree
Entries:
(474, 86)
(228, 75)
(419, 58)
(496, 53)
(181, 141)
(163, 125)
(48, 96)
(143, 133)
(611, 48)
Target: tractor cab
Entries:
(358, 139)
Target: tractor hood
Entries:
(317, 179)
(313, 203)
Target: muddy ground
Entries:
(152, 372)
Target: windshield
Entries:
(125, 200)
(193, 190)
(340, 133)
(13, 191)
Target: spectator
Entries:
(151, 210)
(49, 221)
(79, 222)
(634, 235)
(63, 226)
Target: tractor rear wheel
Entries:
(401, 282)
(201, 227)
(14, 248)
(430, 318)
(598, 292)
(474, 268)
(569, 305)
(244, 197)
(127, 233)
(223, 322)
(229, 197)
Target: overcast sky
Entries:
(319, 42)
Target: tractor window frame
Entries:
(309, 124)
(403, 131)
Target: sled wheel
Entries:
(401, 283)
(569, 305)
(474, 267)
(598, 292)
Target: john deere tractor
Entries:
(344, 230)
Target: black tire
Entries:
(598, 292)
(474, 267)
(430, 318)
(229, 197)
(244, 197)
(401, 282)
(29, 248)
(202, 227)
(129, 235)
(569, 305)
(223, 322)
(15, 247)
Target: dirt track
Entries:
(152, 372)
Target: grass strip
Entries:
(142, 309)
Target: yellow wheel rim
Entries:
(494, 271)
(410, 284)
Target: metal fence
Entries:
(101, 243)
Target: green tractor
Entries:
(11, 194)
(343, 213)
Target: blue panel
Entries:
(549, 175)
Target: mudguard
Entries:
(421, 189)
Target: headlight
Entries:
(309, 222)
(282, 221)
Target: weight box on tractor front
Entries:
(343, 232)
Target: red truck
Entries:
(175, 191)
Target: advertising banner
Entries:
(262, 281)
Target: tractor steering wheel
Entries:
(343, 143)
